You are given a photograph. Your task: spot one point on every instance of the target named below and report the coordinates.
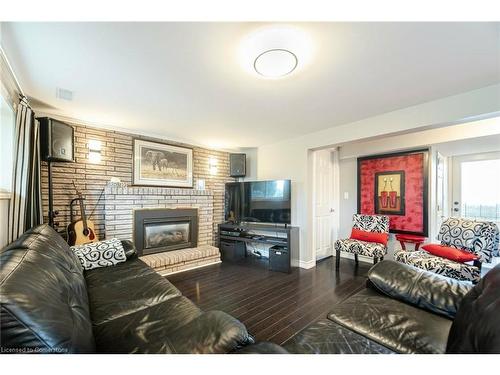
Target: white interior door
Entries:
(475, 186)
(325, 226)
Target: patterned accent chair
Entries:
(478, 237)
(369, 223)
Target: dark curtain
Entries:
(25, 210)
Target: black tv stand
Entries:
(234, 237)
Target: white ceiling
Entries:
(182, 81)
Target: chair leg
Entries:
(356, 258)
(337, 259)
(375, 260)
(381, 258)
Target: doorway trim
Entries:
(334, 152)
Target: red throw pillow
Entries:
(362, 235)
(456, 255)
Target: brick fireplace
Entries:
(121, 203)
(177, 224)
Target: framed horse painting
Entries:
(159, 164)
(396, 185)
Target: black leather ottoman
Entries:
(327, 337)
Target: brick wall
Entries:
(117, 162)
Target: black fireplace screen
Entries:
(158, 230)
(165, 234)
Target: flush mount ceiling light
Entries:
(275, 52)
(275, 63)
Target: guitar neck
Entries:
(82, 211)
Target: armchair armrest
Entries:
(421, 288)
(130, 250)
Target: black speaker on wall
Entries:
(56, 140)
(237, 165)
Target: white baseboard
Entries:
(303, 263)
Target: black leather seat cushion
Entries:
(396, 325)
(137, 311)
(424, 289)
(211, 332)
(127, 294)
(146, 330)
(44, 303)
(328, 337)
(122, 271)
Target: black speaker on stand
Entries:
(237, 165)
(56, 144)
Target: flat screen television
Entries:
(258, 202)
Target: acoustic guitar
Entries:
(81, 231)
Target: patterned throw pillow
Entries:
(100, 254)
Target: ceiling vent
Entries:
(64, 94)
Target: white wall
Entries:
(290, 158)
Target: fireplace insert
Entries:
(165, 229)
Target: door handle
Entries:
(332, 209)
(456, 209)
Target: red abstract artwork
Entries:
(395, 185)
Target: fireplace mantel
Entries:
(145, 190)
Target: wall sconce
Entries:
(94, 151)
(212, 166)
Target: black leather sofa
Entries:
(49, 305)
(408, 310)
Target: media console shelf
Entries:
(234, 237)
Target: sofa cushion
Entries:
(417, 287)
(211, 332)
(476, 327)
(44, 303)
(121, 297)
(391, 323)
(130, 269)
(328, 337)
(442, 266)
(146, 330)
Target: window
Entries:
(7, 126)
(480, 186)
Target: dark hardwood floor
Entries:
(273, 306)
